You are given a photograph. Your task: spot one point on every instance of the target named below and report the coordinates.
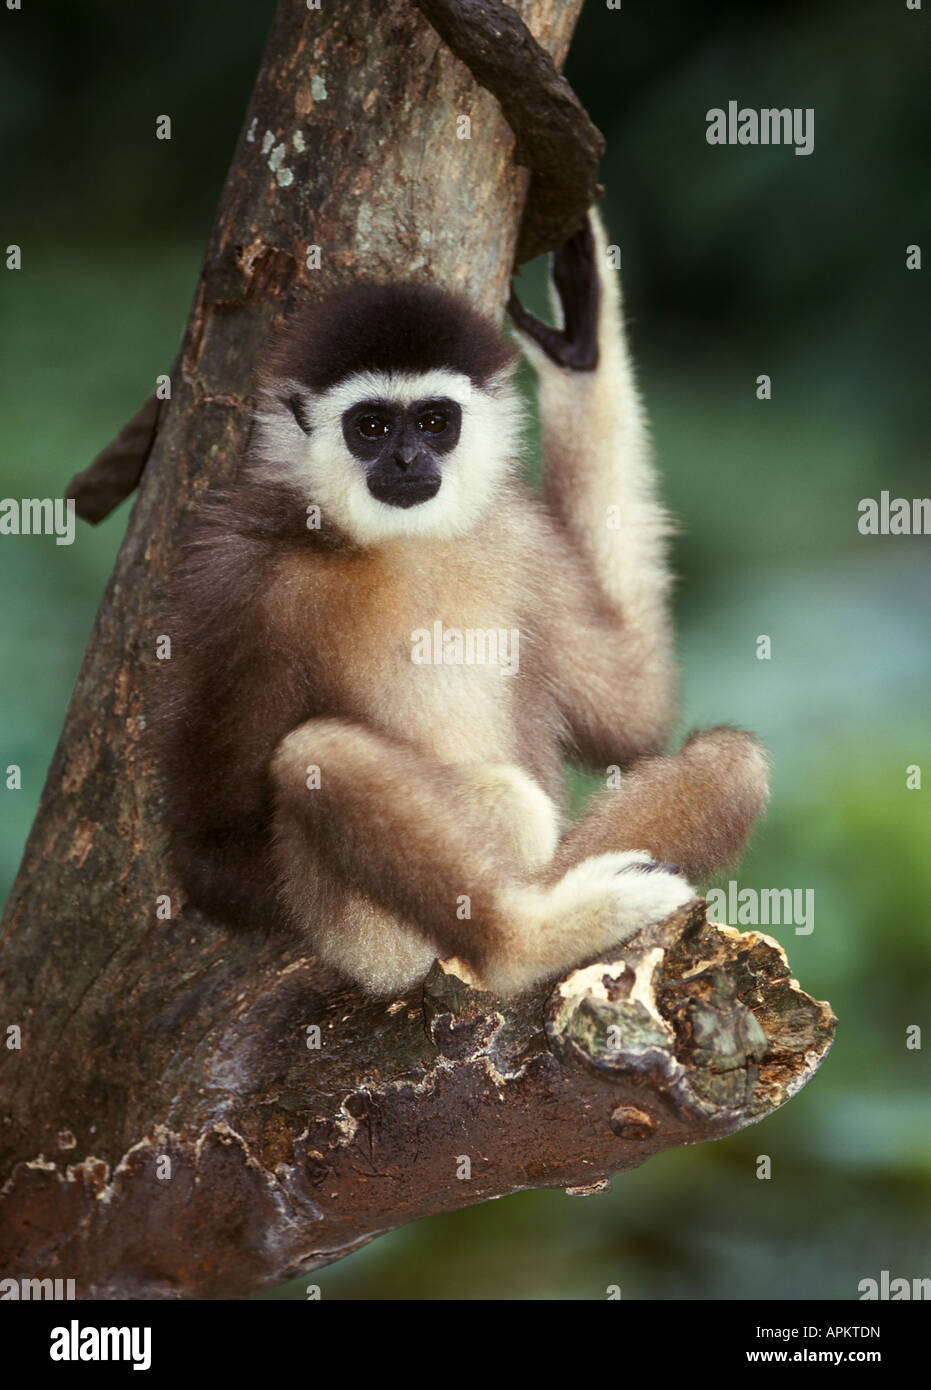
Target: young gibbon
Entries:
(341, 749)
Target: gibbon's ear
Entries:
(283, 420)
(297, 404)
(574, 344)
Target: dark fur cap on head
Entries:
(400, 327)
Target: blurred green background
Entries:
(737, 261)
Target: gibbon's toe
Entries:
(647, 891)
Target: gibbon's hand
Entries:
(575, 277)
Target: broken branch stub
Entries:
(115, 472)
(707, 1015)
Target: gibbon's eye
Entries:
(372, 426)
(433, 421)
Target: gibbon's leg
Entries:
(693, 809)
(413, 863)
(599, 485)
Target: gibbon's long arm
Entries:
(600, 488)
(612, 663)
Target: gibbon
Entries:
(343, 748)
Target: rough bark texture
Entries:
(146, 1039)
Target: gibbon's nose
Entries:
(404, 456)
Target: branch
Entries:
(297, 1156)
(556, 139)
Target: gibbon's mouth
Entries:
(405, 492)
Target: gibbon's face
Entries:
(386, 443)
(402, 447)
(386, 455)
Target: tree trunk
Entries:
(170, 1127)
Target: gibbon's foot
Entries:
(599, 903)
(575, 276)
(660, 891)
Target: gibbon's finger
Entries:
(553, 342)
(550, 339)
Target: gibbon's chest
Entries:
(430, 653)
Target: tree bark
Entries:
(169, 1128)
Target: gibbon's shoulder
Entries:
(257, 511)
(235, 537)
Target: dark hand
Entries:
(575, 276)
